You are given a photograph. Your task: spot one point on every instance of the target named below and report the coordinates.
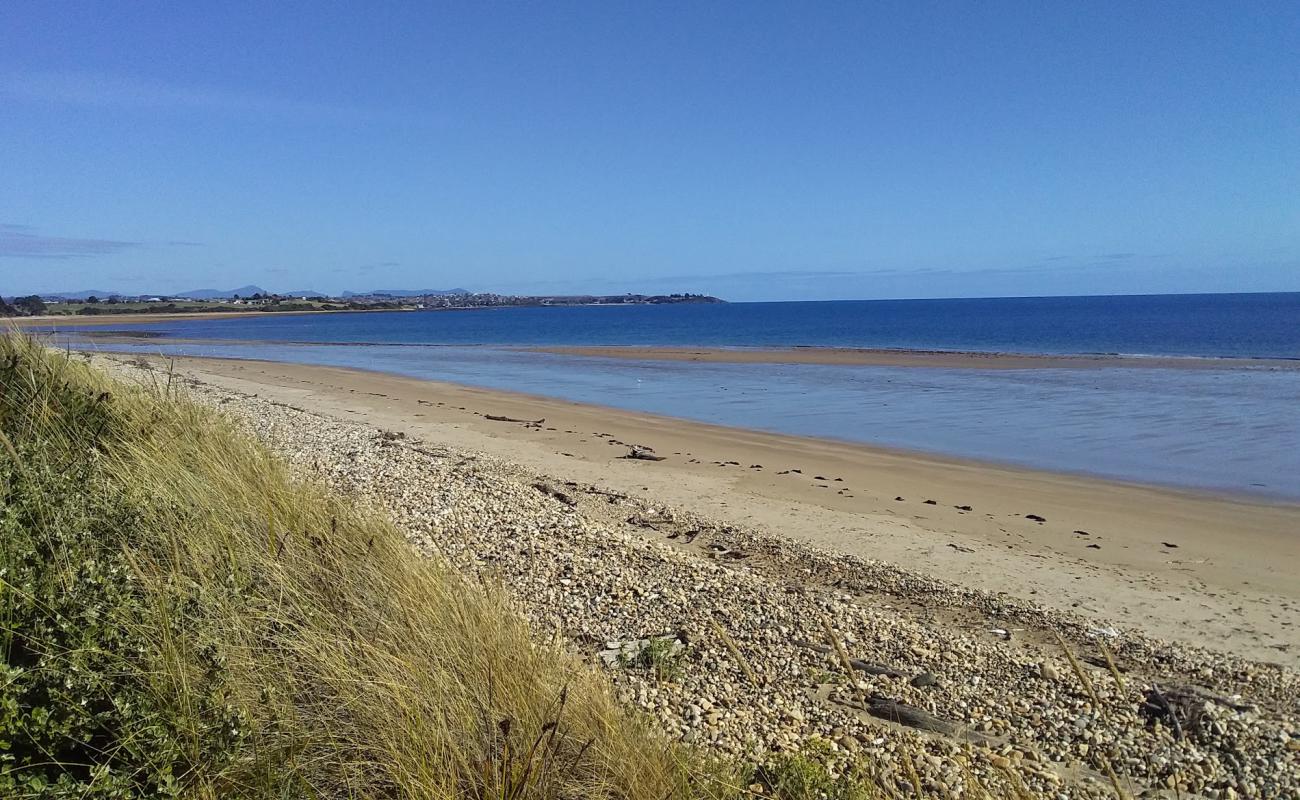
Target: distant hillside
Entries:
(405, 292)
(217, 294)
(71, 296)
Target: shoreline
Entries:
(906, 357)
(99, 320)
(1142, 556)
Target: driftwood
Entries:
(497, 418)
(1157, 705)
(551, 491)
(1182, 707)
(911, 716)
(642, 454)
(874, 669)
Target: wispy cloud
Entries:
(22, 241)
(104, 90)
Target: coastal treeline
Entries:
(182, 618)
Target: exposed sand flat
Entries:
(1209, 571)
(101, 320)
(868, 357)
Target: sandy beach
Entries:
(1208, 571)
(870, 604)
(106, 320)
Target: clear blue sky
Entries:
(751, 150)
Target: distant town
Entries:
(256, 299)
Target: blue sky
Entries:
(751, 150)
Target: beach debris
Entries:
(910, 716)
(551, 491)
(963, 508)
(1094, 546)
(931, 502)
(1001, 633)
(1036, 518)
(499, 418)
(959, 548)
(875, 669)
(1169, 544)
(1157, 707)
(642, 454)
(899, 499)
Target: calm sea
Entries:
(1227, 325)
(1234, 430)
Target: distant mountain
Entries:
(102, 294)
(302, 293)
(217, 294)
(405, 292)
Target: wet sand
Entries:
(101, 320)
(872, 357)
(1210, 571)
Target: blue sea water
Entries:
(1235, 429)
(1222, 325)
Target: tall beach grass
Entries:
(180, 617)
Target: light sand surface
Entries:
(1209, 571)
(100, 320)
(869, 357)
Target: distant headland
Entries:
(255, 299)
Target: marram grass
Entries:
(180, 617)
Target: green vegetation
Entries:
(663, 657)
(29, 306)
(178, 617)
(799, 775)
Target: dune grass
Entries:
(180, 617)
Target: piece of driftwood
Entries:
(498, 418)
(642, 454)
(911, 716)
(1157, 705)
(551, 491)
(874, 669)
(1183, 707)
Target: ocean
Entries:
(1234, 430)
(1222, 325)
